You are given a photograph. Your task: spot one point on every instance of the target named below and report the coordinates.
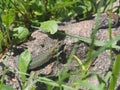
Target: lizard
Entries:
(45, 57)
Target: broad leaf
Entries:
(6, 87)
(8, 17)
(20, 33)
(23, 63)
(49, 26)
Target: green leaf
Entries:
(23, 63)
(115, 72)
(6, 87)
(49, 26)
(8, 17)
(64, 4)
(20, 33)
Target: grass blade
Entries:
(115, 72)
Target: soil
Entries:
(39, 42)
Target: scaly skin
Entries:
(43, 58)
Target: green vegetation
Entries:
(19, 17)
